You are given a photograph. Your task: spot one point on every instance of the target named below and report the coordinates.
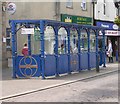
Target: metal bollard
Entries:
(97, 64)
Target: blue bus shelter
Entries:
(67, 35)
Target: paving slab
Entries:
(13, 87)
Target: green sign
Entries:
(76, 19)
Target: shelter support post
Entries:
(104, 51)
(42, 49)
(88, 34)
(14, 52)
(56, 50)
(79, 49)
(69, 64)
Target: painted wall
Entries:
(44, 10)
(0, 36)
(47, 10)
(77, 9)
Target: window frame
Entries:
(69, 4)
(84, 5)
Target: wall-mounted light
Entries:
(3, 8)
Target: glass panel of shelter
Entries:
(92, 41)
(49, 40)
(73, 40)
(62, 41)
(84, 41)
(21, 40)
(100, 41)
(35, 41)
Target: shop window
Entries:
(8, 39)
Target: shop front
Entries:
(113, 33)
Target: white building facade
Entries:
(105, 14)
(105, 10)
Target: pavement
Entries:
(16, 87)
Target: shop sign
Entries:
(111, 33)
(11, 8)
(27, 31)
(76, 19)
(109, 26)
(115, 27)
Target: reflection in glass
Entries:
(35, 42)
(84, 41)
(92, 41)
(62, 41)
(49, 39)
(74, 40)
(21, 39)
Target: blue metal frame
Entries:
(56, 69)
(104, 51)
(88, 35)
(42, 48)
(97, 55)
(56, 49)
(69, 65)
(13, 48)
(29, 44)
(79, 49)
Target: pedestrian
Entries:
(25, 50)
(61, 49)
(75, 50)
(116, 50)
(109, 51)
(71, 50)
